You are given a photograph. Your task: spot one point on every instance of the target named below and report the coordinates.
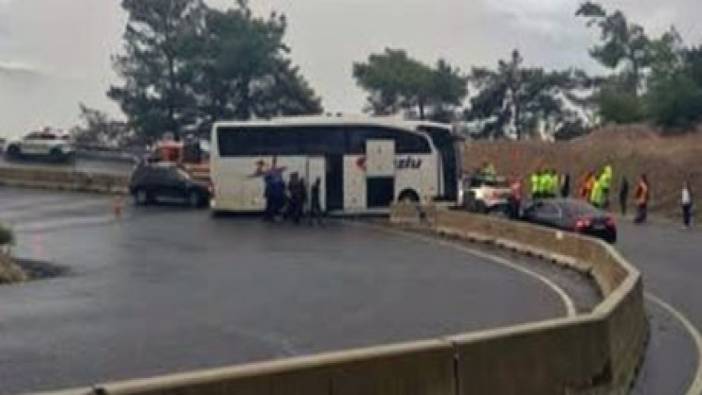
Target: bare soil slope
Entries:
(632, 150)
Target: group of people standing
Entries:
(596, 188)
(291, 201)
(547, 183)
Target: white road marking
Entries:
(696, 386)
(565, 298)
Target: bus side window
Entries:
(322, 140)
(408, 143)
(240, 142)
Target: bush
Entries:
(619, 106)
(6, 236)
(675, 102)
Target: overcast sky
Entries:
(56, 53)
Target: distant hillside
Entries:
(630, 149)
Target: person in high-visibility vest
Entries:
(596, 195)
(547, 183)
(605, 182)
(543, 183)
(535, 181)
(554, 184)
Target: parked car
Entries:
(48, 144)
(485, 194)
(572, 215)
(153, 182)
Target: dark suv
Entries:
(160, 181)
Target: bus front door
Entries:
(380, 173)
(334, 182)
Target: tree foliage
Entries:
(7, 237)
(97, 128)
(622, 44)
(520, 101)
(397, 82)
(654, 79)
(674, 98)
(186, 65)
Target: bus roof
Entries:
(323, 120)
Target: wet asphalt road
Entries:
(169, 289)
(670, 260)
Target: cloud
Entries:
(10, 67)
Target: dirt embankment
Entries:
(631, 150)
(10, 272)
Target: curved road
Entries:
(167, 289)
(670, 259)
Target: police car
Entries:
(485, 194)
(50, 144)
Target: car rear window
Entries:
(576, 208)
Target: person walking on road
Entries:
(686, 204)
(642, 195)
(624, 194)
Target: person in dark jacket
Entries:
(565, 186)
(268, 194)
(624, 194)
(315, 203)
(297, 196)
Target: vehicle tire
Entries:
(13, 152)
(480, 207)
(142, 197)
(195, 199)
(57, 156)
(408, 196)
(500, 211)
(469, 202)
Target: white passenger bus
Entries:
(364, 164)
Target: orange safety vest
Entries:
(587, 187)
(641, 194)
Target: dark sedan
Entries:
(165, 181)
(572, 215)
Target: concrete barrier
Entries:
(58, 179)
(417, 368)
(593, 353)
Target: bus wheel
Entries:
(408, 196)
(195, 200)
(13, 152)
